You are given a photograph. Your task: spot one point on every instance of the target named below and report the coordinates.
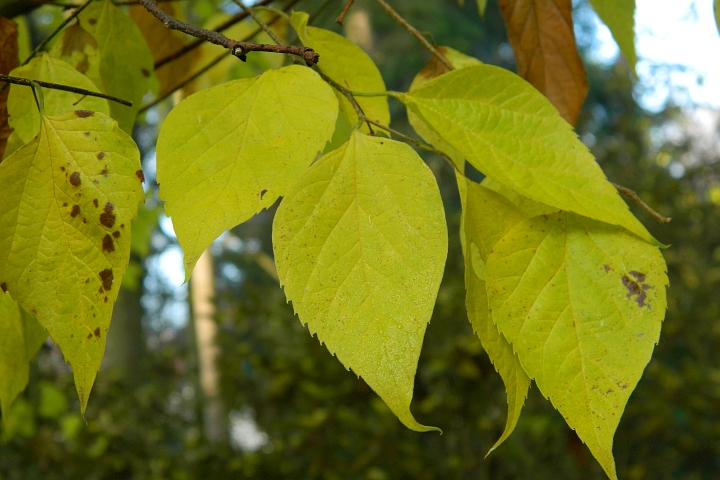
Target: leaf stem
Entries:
(66, 88)
(416, 34)
(341, 18)
(238, 49)
(634, 196)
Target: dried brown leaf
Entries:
(8, 61)
(541, 34)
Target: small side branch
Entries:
(341, 17)
(238, 49)
(630, 194)
(416, 34)
(62, 25)
(66, 88)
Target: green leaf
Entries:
(487, 217)
(360, 245)
(433, 69)
(581, 302)
(109, 48)
(510, 132)
(65, 231)
(20, 340)
(24, 115)
(228, 152)
(619, 16)
(348, 65)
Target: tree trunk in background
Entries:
(202, 289)
(125, 345)
(358, 29)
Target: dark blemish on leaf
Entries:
(108, 245)
(635, 288)
(95, 202)
(75, 179)
(140, 175)
(262, 194)
(101, 291)
(87, 280)
(84, 220)
(89, 335)
(92, 21)
(3, 286)
(84, 113)
(107, 218)
(64, 204)
(607, 268)
(640, 277)
(610, 390)
(106, 276)
(34, 310)
(122, 225)
(145, 72)
(116, 234)
(87, 134)
(103, 172)
(100, 155)
(105, 299)
(62, 169)
(75, 211)
(96, 332)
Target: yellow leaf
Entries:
(65, 231)
(360, 245)
(228, 152)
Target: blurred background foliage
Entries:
(291, 410)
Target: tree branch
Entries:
(341, 18)
(223, 26)
(62, 25)
(66, 88)
(238, 49)
(416, 34)
(630, 194)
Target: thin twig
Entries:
(66, 88)
(222, 27)
(630, 194)
(64, 23)
(416, 34)
(351, 98)
(68, 6)
(238, 49)
(341, 17)
(258, 20)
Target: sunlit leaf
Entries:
(619, 16)
(20, 340)
(227, 152)
(348, 65)
(24, 114)
(360, 244)
(541, 34)
(512, 134)
(65, 212)
(107, 46)
(482, 5)
(581, 302)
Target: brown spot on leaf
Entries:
(116, 234)
(101, 291)
(100, 155)
(95, 202)
(607, 268)
(3, 286)
(145, 72)
(87, 134)
(75, 179)
(107, 244)
(104, 172)
(107, 218)
(84, 113)
(75, 211)
(140, 175)
(64, 204)
(62, 169)
(96, 332)
(89, 335)
(105, 299)
(92, 21)
(636, 288)
(106, 277)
